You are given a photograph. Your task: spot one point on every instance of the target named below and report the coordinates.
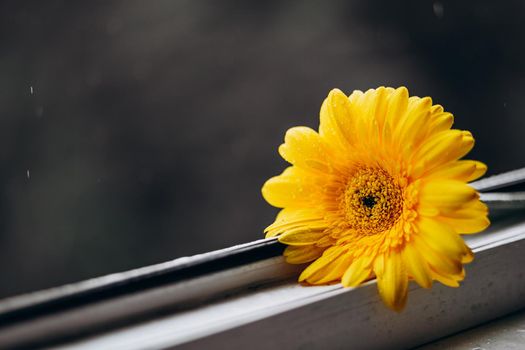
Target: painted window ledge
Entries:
(247, 296)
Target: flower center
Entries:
(369, 201)
(372, 201)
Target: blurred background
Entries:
(135, 132)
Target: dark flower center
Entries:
(369, 201)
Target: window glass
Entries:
(135, 132)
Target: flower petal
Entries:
(304, 148)
(437, 262)
(357, 272)
(290, 189)
(292, 218)
(447, 280)
(471, 218)
(417, 267)
(462, 170)
(446, 195)
(468, 257)
(481, 169)
(413, 127)
(397, 106)
(468, 225)
(440, 121)
(333, 271)
(441, 238)
(443, 147)
(393, 282)
(328, 257)
(302, 254)
(301, 236)
(336, 120)
(379, 108)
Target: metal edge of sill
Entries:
(31, 305)
(503, 180)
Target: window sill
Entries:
(247, 296)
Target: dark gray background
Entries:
(153, 124)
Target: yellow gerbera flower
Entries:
(379, 192)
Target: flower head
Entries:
(378, 192)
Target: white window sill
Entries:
(287, 315)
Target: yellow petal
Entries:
(288, 189)
(380, 105)
(301, 236)
(446, 195)
(436, 109)
(440, 122)
(357, 272)
(291, 218)
(373, 106)
(413, 128)
(481, 169)
(447, 280)
(470, 209)
(417, 267)
(439, 143)
(336, 126)
(437, 262)
(328, 257)
(387, 134)
(304, 148)
(468, 226)
(460, 170)
(362, 104)
(302, 254)
(441, 238)
(441, 148)
(326, 241)
(379, 264)
(397, 106)
(470, 218)
(355, 96)
(333, 271)
(468, 257)
(393, 282)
